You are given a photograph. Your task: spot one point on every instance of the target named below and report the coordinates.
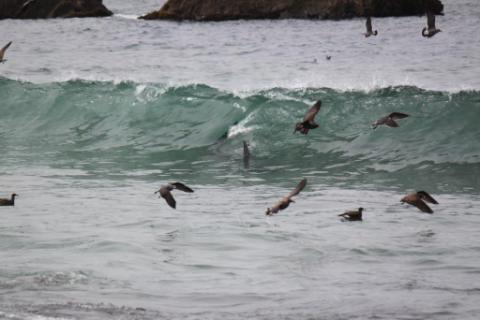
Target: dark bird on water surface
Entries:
(2, 52)
(370, 31)
(165, 192)
(309, 119)
(418, 200)
(431, 30)
(389, 120)
(285, 201)
(353, 215)
(8, 202)
(246, 155)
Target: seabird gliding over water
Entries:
(285, 201)
(370, 31)
(165, 192)
(418, 200)
(8, 202)
(2, 52)
(353, 215)
(389, 120)
(432, 30)
(309, 119)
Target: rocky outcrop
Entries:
(41, 9)
(216, 10)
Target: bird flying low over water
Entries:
(2, 52)
(309, 119)
(8, 202)
(370, 31)
(165, 192)
(353, 215)
(389, 120)
(431, 30)
(285, 201)
(418, 200)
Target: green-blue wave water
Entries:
(195, 132)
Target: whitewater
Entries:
(96, 114)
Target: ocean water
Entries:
(96, 114)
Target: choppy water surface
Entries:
(97, 113)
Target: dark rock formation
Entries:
(216, 10)
(41, 9)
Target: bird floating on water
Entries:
(285, 201)
(353, 215)
(431, 30)
(418, 200)
(9, 202)
(389, 120)
(370, 31)
(309, 119)
(165, 192)
(2, 52)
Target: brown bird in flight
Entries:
(432, 30)
(2, 52)
(418, 200)
(8, 202)
(389, 120)
(309, 119)
(353, 215)
(370, 31)
(165, 192)
(285, 201)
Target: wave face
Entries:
(196, 132)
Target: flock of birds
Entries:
(418, 199)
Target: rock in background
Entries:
(42, 9)
(216, 10)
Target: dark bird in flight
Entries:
(353, 215)
(285, 201)
(370, 31)
(309, 119)
(418, 200)
(389, 120)
(165, 192)
(2, 52)
(328, 57)
(431, 30)
(246, 155)
(8, 202)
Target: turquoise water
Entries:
(96, 114)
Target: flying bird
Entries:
(8, 202)
(370, 31)
(431, 30)
(389, 120)
(353, 215)
(309, 119)
(418, 200)
(165, 192)
(246, 155)
(285, 201)
(2, 52)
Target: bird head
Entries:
(14, 195)
(298, 127)
(268, 212)
(290, 200)
(423, 32)
(376, 32)
(361, 210)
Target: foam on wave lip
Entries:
(245, 90)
